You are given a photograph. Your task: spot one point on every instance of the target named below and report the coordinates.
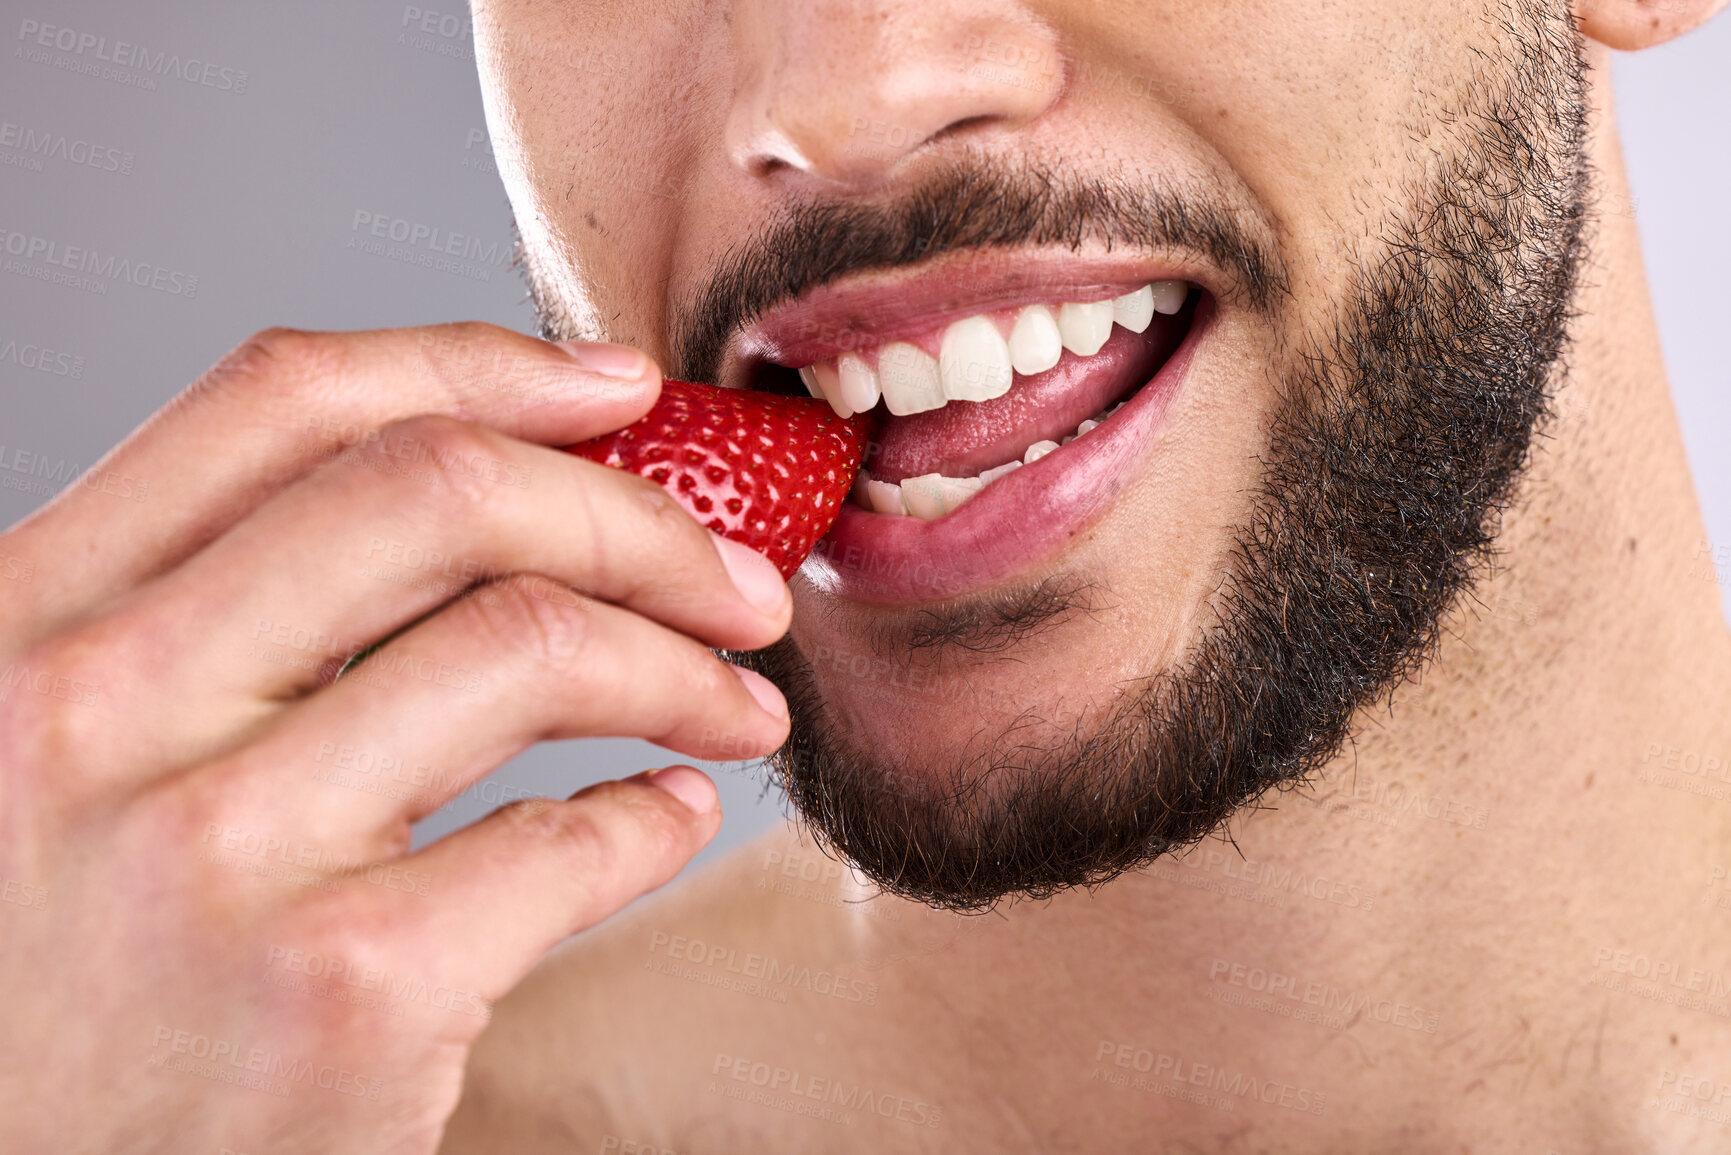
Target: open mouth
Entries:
(1034, 379)
(999, 431)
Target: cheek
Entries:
(593, 110)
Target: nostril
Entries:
(768, 166)
(956, 128)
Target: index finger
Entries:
(275, 407)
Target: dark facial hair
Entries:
(1398, 441)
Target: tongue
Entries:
(966, 437)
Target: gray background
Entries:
(255, 193)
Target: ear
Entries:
(1634, 24)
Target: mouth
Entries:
(1009, 403)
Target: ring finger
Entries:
(446, 702)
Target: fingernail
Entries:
(691, 786)
(754, 576)
(762, 689)
(621, 361)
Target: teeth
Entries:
(884, 497)
(1035, 344)
(1038, 450)
(858, 382)
(974, 361)
(1169, 296)
(1135, 310)
(1084, 328)
(909, 378)
(829, 381)
(932, 495)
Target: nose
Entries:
(844, 91)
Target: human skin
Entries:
(1596, 654)
(215, 932)
(1492, 865)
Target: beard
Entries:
(1399, 437)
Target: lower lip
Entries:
(1016, 522)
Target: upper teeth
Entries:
(977, 359)
(974, 361)
(1085, 328)
(1035, 342)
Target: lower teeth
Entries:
(932, 495)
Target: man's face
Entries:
(1375, 208)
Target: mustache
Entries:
(978, 203)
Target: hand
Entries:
(214, 935)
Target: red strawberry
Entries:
(766, 470)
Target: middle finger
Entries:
(367, 545)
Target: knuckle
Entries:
(663, 515)
(659, 527)
(277, 368)
(585, 841)
(207, 810)
(355, 936)
(620, 536)
(457, 354)
(49, 698)
(452, 458)
(601, 834)
(468, 358)
(664, 831)
(541, 620)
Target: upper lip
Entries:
(868, 309)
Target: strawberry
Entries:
(763, 469)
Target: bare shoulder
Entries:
(626, 1038)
